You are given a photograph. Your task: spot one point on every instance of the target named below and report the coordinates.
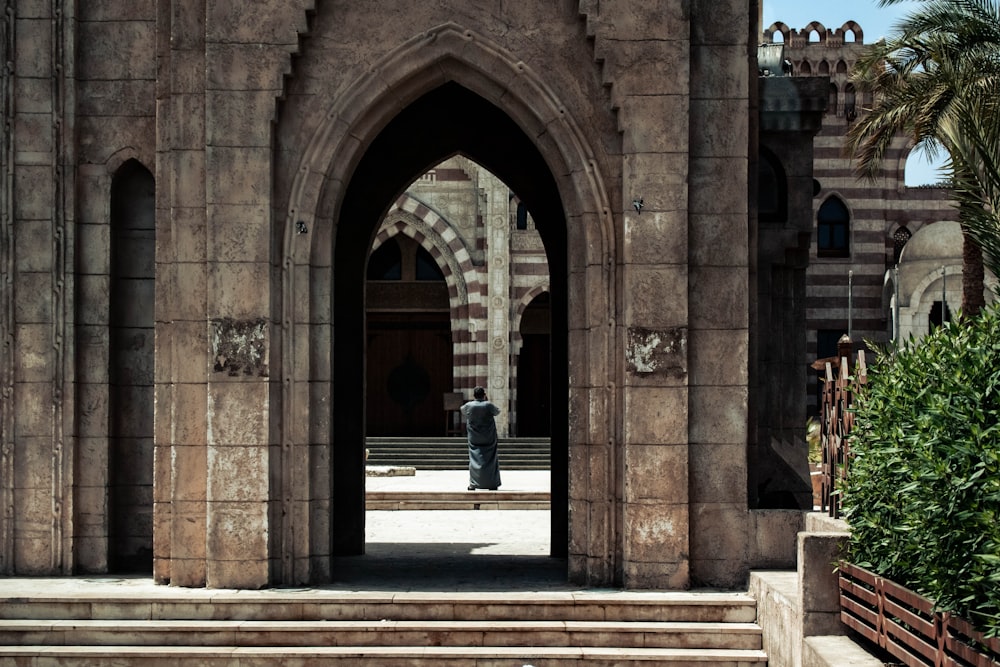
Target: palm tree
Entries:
(932, 81)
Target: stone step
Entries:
(150, 602)
(457, 500)
(734, 636)
(449, 453)
(396, 656)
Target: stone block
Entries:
(718, 473)
(33, 299)
(239, 290)
(238, 176)
(656, 533)
(189, 236)
(655, 124)
(118, 10)
(717, 185)
(718, 415)
(117, 50)
(244, 67)
(33, 46)
(33, 353)
(127, 98)
(651, 68)
(639, 21)
(239, 117)
(655, 473)
(719, 528)
(93, 248)
(258, 23)
(655, 237)
(719, 239)
(818, 554)
(712, 354)
(656, 357)
(95, 299)
(187, 532)
(188, 290)
(33, 245)
(33, 410)
(238, 413)
(187, 173)
(189, 473)
(239, 233)
(237, 532)
(656, 415)
(659, 179)
(33, 95)
(35, 133)
(188, 346)
(773, 538)
(656, 296)
(719, 297)
(653, 576)
(189, 412)
(94, 411)
(719, 71)
(720, 23)
(834, 651)
(714, 139)
(237, 474)
(187, 121)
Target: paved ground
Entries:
(435, 550)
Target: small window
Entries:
(833, 229)
(899, 240)
(427, 268)
(772, 196)
(522, 216)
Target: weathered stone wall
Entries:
(263, 113)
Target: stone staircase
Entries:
(452, 453)
(146, 624)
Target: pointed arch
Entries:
(833, 228)
(445, 63)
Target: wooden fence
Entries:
(906, 624)
(836, 422)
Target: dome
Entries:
(940, 241)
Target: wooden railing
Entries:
(906, 624)
(836, 422)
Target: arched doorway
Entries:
(408, 344)
(446, 121)
(534, 380)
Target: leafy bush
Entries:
(923, 490)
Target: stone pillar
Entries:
(654, 311)
(496, 218)
(719, 292)
(182, 322)
(37, 287)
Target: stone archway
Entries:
(338, 181)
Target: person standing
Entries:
(484, 466)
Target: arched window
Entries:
(805, 68)
(833, 229)
(130, 369)
(899, 240)
(824, 67)
(850, 111)
(831, 103)
(841, 67)
(772, 194)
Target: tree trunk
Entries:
(973, 299)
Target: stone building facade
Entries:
(191, 194)
(860, 229)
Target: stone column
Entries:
(497, 220)
(719, 292)
(655, 297)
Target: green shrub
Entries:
(923, 490)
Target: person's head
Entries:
(479, 393)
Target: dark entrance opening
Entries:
(533, 370)
(447, 121)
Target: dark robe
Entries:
(484, 466)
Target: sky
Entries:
(875, 22)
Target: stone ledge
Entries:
(836, 651)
